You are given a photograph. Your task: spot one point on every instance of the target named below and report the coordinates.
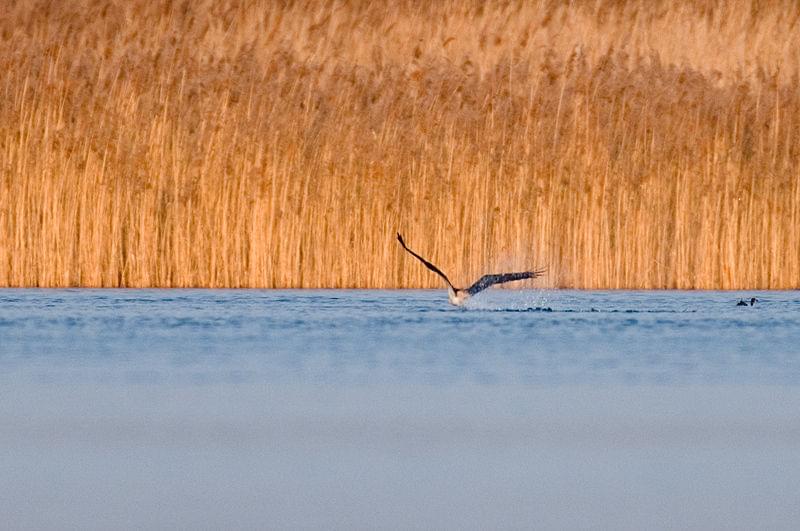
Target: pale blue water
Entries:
(392, 409)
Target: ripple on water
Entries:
(385, 336)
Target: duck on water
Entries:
(741, 302)
(458, 296)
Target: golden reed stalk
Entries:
(622, 144)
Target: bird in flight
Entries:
(459, 296)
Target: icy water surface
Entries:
(391, 409)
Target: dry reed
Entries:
(623, 144)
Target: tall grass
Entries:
(635, 144)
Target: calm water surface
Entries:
(392, 409)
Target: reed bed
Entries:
(621, 144)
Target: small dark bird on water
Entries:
(458, 296)
(741, 302)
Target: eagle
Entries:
(458, 296)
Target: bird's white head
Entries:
(457, 296)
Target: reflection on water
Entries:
(345, 337)
(124, 409)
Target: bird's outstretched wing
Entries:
(427, 264)
(490, 280)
